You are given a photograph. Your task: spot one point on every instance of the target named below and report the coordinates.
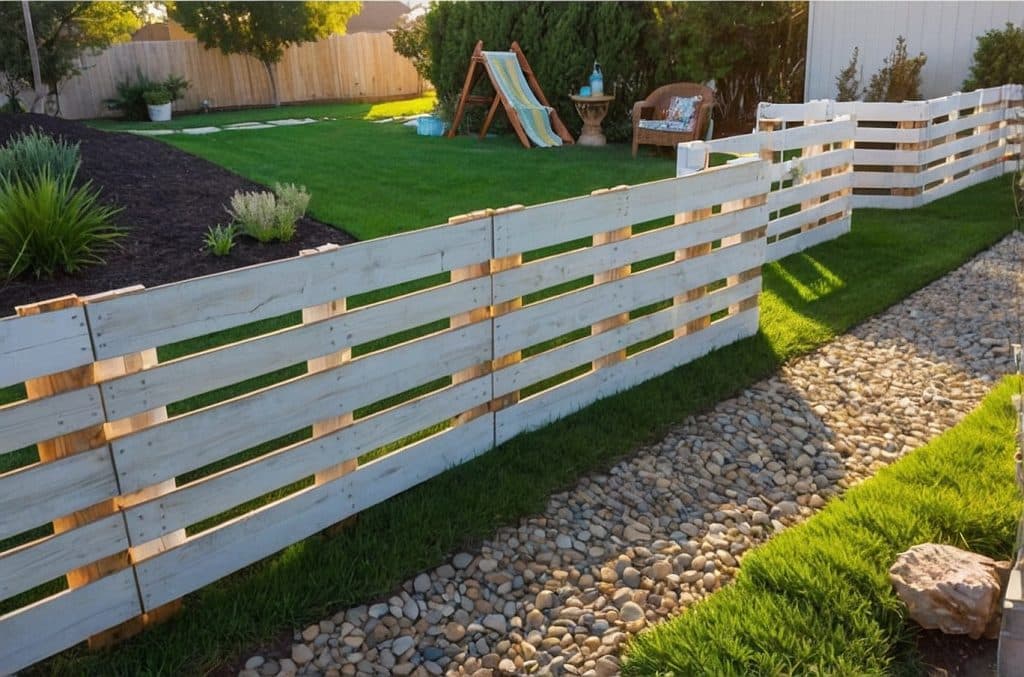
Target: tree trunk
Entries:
(33, 55)
(272, 74)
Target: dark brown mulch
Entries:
(169, 197)
(956, 655)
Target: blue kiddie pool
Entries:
(430, 126)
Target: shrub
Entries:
(47, 225)
(999, 59)
(268, 216)
(220, 240)
(899, 78)
(26, 155)
(131, 96)
(848, 82)
(156, 96)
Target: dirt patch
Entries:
(956, 655)
(169, 197)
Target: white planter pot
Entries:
(160, 113)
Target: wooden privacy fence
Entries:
(361, 66)
(911, 153)
(329, 382)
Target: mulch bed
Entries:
(169, 197)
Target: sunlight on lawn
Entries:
(822, 283)
(392, 109)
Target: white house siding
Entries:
(946, 32)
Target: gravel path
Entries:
(560, 592)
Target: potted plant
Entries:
(158, 103)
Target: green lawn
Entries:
(816, 599)
(386, 178)
(373, 179)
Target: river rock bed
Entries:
(560, 592)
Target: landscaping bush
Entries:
(998, 60)
(267, 216)
(47, 225)
(220, 240)
(899, 78)
(848, 80)
(26, 155)
(132, 100)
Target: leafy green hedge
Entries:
(816, 599)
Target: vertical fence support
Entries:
(695, 159)
(619, 273)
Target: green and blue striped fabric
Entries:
(535, 117)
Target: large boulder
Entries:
(949, 589)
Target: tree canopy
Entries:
(262, 30)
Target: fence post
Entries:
(619, 273)
(695, 159)
(92, 375)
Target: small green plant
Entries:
(848, 80)
(899, 78)
(220, 240)
(132, 99)
(175, 86)
(47, 225)
(998, 60)
(268, 216)
(26, 155)
(156, 96)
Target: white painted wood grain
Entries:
(34, 632)
(942, 129)
(813, 135)
(554, 270)
(228, 547)
(550, 405)
(187, 376)
(35, 563)
(886, 158)
(30, 421)
(815, 163)
(807, 239)
(565, 220)
(864, 179)
(39, 493)
(886, 201)
(38, 345)
(957, 185)
(834, 206)
(809, 190)
(215, 494)
(891, 134)
(963, 164)
(562, 358)
(194, 440)
(173, 312)
(959, 146)
(559, 315)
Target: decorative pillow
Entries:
(683, 109)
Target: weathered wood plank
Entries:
(40, 493)
(797, 243)
(196, 307)
(42, 344)
(56, 623)
(228, 488)
(226, 548)
(35, 563)
(27, 422)
(202, 437)
(548, 272)
(554, 317)
(836, 205)
(202, 372)
(806, 191)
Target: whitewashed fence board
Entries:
(862, 179)
(259, 533)
(783, 224)
(39, 493)
(35, 563)
(173, 312)
(949, 169)
(36, 345)
(797, 243)
(565, 220)
(886, 201)
(550, 405)
(554, 270)
(832, 159)
(811, 111)
(812, 189)
(538, 367)
(887, 158)
(56, 623)
(962, 145)
(29, 421)
(883, 111)
(206, 371)
(813, 135)
(941, 129)
(194, 440)
(559, 315)
(891, 134)
(214, 494)
(975, 177)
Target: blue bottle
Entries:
(596, 81)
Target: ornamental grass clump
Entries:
(48, 226)
(267, 216)
(220, 240)
(26, 155)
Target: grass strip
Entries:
(809, 299)
(816, 599)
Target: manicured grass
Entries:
(816, 599)
(809, 298)
(375, 179)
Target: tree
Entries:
(848, 80)
(262, 30)
(899, 78)
(63, 30)
(998, 60)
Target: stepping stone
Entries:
(291, 121)
(149, 132)
(200, 130)
(248, 125)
